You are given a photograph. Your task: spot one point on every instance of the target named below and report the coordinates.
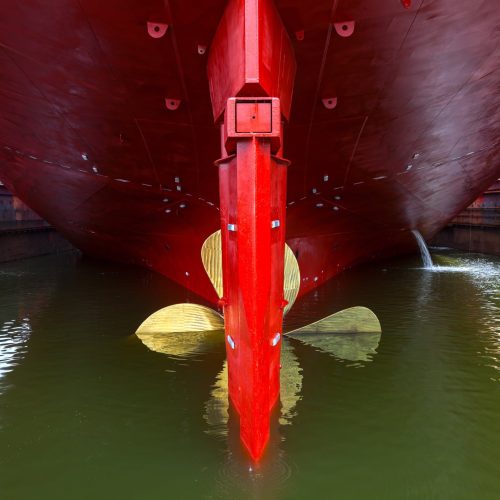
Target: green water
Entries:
(88, 412)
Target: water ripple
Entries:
(14, 336)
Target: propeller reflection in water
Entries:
(181, 329)
(352, 334)
(217, 407)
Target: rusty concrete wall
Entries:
(13, 209)
(22, 244)
(476, 229)
(23, 233)
(475, 239)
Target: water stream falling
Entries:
(424, 251)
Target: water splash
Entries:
(424, 251)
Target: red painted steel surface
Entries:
(252, 191)
(251, 55)
(253, 210)
(86, 138)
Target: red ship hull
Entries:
(107, 128)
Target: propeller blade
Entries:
(352, 334)
(291, 283)
(181, 329)
(211, 256)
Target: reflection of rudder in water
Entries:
(217, 407)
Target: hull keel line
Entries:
(251, 70)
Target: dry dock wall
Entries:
(470, 239)
(30, 242)
(476, 229)
(23, 233)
